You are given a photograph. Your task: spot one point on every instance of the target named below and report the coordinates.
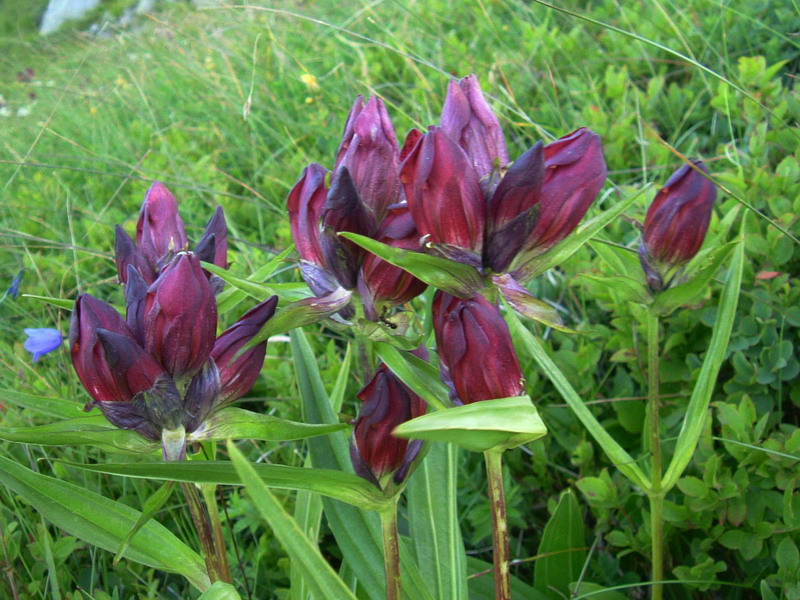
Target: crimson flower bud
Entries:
(677, 221)
(180, 317)
(126, 254)
(376, 453)
(213, 245)
(344, 211)
(135, 301)
(305, 209)
(443, 193)
(382, 284)
(160, 232)
(514, 207)
(153, 395)
(88, 356)
(469, 121)
(574, 175)
(369, 151)
(238, 374)
(474, 344)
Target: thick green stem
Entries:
(655, 493)
(217, 530)
(391, 552)
(173, 447)
(203, 527)
(494, 473)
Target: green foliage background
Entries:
(227, 105)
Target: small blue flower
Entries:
(42, 341)
(13, 289)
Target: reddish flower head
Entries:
(387, 402)
(443, 193)
(305, 209)
(180, 317)
(88, 355)
(468, 120)
(475, 346)
(160, 232)
(237, 375)
(369, 151)
(678, 218)
(574, 175)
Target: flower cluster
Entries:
(163, 366)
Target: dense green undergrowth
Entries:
(227, 105)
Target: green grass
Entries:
(227, 106)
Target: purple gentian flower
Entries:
(42, 341)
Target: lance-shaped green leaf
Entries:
(318, 574)
(333, 484)
(525, 304)
(498, 424)
(421, 377)
(562, 549)
(151, 506)
(449, 276)
(60, 408)
(233, 296)
(621, 259)
(697, 284)
(630, 289)
(357, 533)
(103, 522)
(701, 394)
(287, 292)
(220, 591)
(57, 302)
(83, 431)
(574, 241)
(237, 423)
(623, 461)
(301, 313)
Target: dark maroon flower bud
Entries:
(142, 380)
(181, 317)
(369, 151)
(160, 232)
(514, 207)
(381, 284)
(88, 356)
(677, 220)
(469, 121)
(238, 374)
(126, 253)
(376, 453)
(443, 194)
(135, 301)
(213, 245)
(344, 211)
(574, 175)
(475, 345)
(305, 209)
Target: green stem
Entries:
(209, 496)
(203, 527)
(494, 473)
(173, 447)
(655, 493)
(391, 551)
